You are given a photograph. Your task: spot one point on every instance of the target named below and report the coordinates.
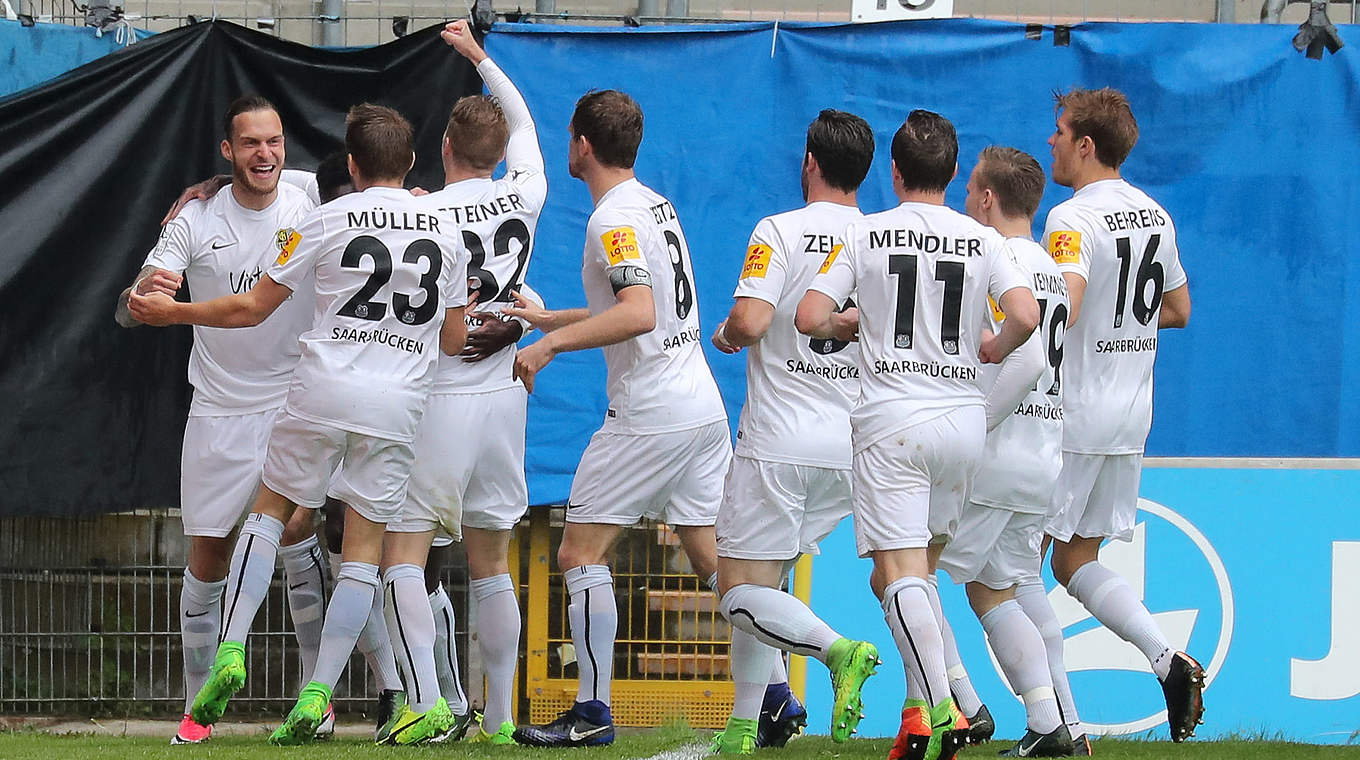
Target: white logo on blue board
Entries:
(1095, 649)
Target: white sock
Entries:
(411, 626)
(306, 598)
(1033, 599)
(376, 646)
(752, 662)
(594, 616)
(346, 615)
(498, 627)
(906, 608)
(1108, 596)
(252, 569)
(959, 683)
(1020, 650)
(778, 619)
(778, 673)
(333, 560)
(200, 619)
(446, 651)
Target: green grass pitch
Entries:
(670, 743)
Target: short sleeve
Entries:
(765, 267)
(456, 259)
(836, 277)
(1175, 273)
(613, 240)
(304, 181)
(1067, 238)
(298, 253)
(174, 249)
(1006, 272)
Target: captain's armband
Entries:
(628, 276)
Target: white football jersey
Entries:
(920, 274)
(497, 220)
(385, 266)
(222, 248)
(1124, 244)
(799, 391)
(1023, 454)
(658, 382)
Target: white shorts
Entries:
(220, 470)
(995, 547)
(1096, 496)
(910, 486)
(302, 461)
(773, 510)
(674, 477)
(469, 467)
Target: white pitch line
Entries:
(691, 751)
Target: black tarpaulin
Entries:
(93, 413)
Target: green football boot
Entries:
(300, 725)
(227, 677)
(851, 663)
(738, 737)
(410, 727)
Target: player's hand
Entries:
(531, 359)
(846, 325)
(200, 192)
(459, 36)
(530, 312)
(488, 339)
(987, 348)
(160, 281)
(720, 340)
(156, 309)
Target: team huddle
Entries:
(969, 395)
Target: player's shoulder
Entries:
(1031, 255)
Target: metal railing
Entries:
(89, 623)
(369, 22)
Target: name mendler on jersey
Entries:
(832, 372)
(930, 369)
(1126, 345)
(381, 336)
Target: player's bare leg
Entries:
(594, 617)
(1020, 650)
(1108, 597)
(498, 627)
(931, 722)
(251, 570)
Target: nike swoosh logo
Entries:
(577, 736)
(215, 246)
(401, 728)
(296, 586)
(201, 614)
(780, 712)
(1022, 751)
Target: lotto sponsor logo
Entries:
(620, 244)
(757, 261)
(830, 259)
(1065, 246)
(997, 313)
(287, 240)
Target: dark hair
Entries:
(926, 151)
(1103, 115)
(332, 174)
(380, 140)
(1015, 177)
(843, 145)
(477, 132)
(244, 104)
(612, 122)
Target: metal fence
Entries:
(89, 622)
(369, 22)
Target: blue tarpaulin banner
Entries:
(34, 54)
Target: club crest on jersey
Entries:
(830, 259)
(287, 240)
(620, 243)
(1065, 246)
(757, 261)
